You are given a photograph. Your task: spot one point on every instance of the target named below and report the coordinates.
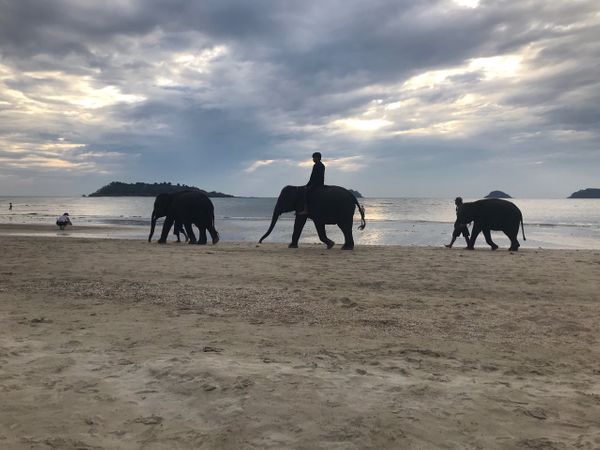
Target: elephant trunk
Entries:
(152, 225)
(276, 215)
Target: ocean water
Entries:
(549, 223)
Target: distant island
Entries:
(497, 194)
(586, 193)
(356, 193)
(119, 189)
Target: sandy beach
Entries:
(125, 344)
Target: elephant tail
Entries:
(522, 228)
(361, 209)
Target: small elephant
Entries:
(491, 214)
(187, 208)
(328, 205)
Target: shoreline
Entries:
(282, 235)
(121, 344)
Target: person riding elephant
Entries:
(491, 214)
(317, 180)
(329, 205)
(187, 208)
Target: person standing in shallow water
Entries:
(458, 201)
(10, 206)
(317, 180)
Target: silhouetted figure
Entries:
(63, 221)
(178, 229)
(317, 180)
(458, 201)
(10, 206)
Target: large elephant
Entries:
(187, 208)
(328, 205)
(491, 214)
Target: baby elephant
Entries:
(491, 214)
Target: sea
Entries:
(549, 223)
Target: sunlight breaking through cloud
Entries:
(467, 3)
(353, 124)
(257, 164)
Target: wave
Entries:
(140, 220)
(567, 225)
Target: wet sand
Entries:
(125, 344)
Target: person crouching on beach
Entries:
(458, 201)
(63, 221)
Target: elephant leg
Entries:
(202, 240)
(514, 242)
(298, 227)
(190, 232)
(488, 238)
(214, 234)
(348, 239)
(165, 229)
(322, 235)
(474, 234)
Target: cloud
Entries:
(199, 92)
(257, 164)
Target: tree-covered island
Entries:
(120, 189)
(497, 194)
(586, 193)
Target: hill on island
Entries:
(356, 193)
(586, 193)
(497, 194)
(119, 189)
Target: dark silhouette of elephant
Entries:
(491, 214)
(328, 205)
(187, 208)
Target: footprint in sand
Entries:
(536, 413)
(149, 420)
(540, 444)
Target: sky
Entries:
(403, 98)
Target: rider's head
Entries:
(458, 201)
(316, 156)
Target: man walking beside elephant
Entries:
(458, 201)
(317, 180)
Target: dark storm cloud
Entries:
(220, 84)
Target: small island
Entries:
(497, 194)
(586, 193)
(120, 189)
(356, 193)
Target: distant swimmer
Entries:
(317, 180)
(458, 201)
(63, 221)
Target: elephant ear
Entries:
(163, 203)
(299, 205)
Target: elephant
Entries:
(491, 214)
(328, 205)
(187, 208)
